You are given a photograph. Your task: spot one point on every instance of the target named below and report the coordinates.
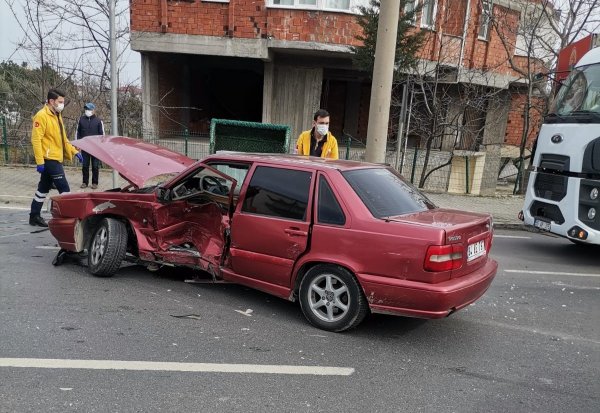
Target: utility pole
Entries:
(383, 73)
(114, 81)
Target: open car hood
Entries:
(136, 160)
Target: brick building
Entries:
(279, 60)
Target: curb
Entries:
(510, 226)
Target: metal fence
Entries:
(459, 173)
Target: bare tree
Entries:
(38, 36)
(69, 40)
(573, 19)
(450, 102)
(532, 46)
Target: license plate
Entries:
(475, 250)
(543, 225)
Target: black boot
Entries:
(37, 220)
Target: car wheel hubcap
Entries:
(328, 297)
(99, 245)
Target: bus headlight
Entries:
(594, 193)
(592, 213)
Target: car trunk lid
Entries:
(136, 160)
(470, 232)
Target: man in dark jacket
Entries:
(89, 124)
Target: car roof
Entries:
(292, 160)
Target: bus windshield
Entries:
(578, 97)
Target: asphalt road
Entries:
(530, 344)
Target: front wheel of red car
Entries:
(331, 298)
(107, 248)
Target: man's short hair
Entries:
(321, 113)
(55, 94)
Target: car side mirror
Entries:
(163, 194)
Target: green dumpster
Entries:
(241, 136)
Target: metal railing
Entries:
(17, 150)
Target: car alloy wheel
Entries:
(99, 243)
(107, 247)
(331, 298)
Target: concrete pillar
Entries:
(453, 121)
(268, 79)
(493, 138)
(186, 90)
(352, 108)
(296, 97)
(383, 72)
(149, 93)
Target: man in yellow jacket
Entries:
(318, 141)
(50, 148)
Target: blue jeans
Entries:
(53, 174)
(86, 168)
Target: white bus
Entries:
(563, 193)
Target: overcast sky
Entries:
(11, 34)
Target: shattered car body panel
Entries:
(341, 237)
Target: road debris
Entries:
(192, 316)
(247, 313)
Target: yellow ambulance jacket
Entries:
(47, 138)
(330, 147)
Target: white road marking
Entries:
(47, 247)
(15, 208)
(574, 287)
(527, 329)
(16, 196)
(511, 236)
(15, 235)
(172, 366)
(573, 274)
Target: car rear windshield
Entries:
(385, 192)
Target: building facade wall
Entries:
(516, 120)
(254, 21)
(243, 19)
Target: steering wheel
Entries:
(212, 184)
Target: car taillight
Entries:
(490, 240)
(443, 257)
(53, 208)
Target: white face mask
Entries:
(322, 129)
(89, 113)
(59, 107)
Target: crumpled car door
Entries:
(194, 217)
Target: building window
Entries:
(333, 5)
(486, 16)
(337, 4)
(409, 7)
(428, 13)
(296, 3)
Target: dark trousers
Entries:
(53, 174)
(86, 168)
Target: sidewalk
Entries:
(18, 183)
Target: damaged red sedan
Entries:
(343, 238)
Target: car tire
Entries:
(107, 248)
(331, 298)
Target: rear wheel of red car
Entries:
(107, 248)
(331, 298)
